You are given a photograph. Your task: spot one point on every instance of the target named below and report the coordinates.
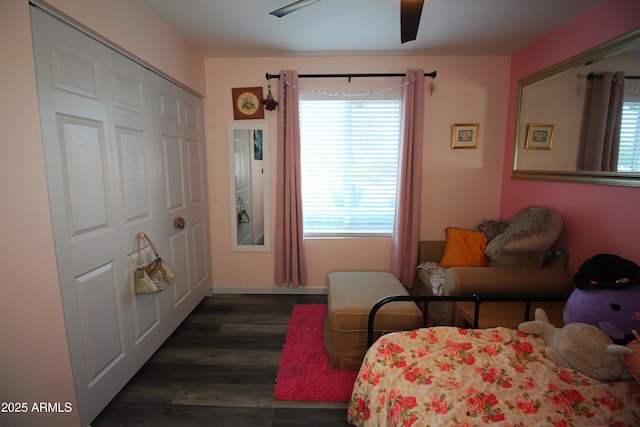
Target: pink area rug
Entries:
(304, 372)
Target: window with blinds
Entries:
(629, 151)
(349, 158)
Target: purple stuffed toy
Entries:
(608, 296)
(617, 313)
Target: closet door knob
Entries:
(178, 222)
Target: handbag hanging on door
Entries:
(155, 276)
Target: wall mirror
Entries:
(580, 119)
(249, 186)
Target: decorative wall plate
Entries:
(247, 103)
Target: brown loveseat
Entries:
(513, 258)
(551, 279)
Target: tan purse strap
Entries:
(140, 264)
(153, 247)
(142, 237)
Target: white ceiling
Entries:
(244, 28)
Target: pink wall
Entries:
(34, 355)
(461, 187)
(598, 219)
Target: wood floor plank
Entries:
(252, 328)
(214, 356)
(140, 393)
(218, 368)
(291, 417)
(241, 396)
(127, 414)
(208, 375)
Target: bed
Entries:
(447, 376)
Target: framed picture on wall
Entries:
(539, 137)
(247, 103)
(465, 135)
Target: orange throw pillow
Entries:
(464, 248)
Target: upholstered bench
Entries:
(351, 295)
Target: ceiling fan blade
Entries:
(283, 11)
(410, 12)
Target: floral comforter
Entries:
(446, 376)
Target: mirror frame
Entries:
(592, 177)
(231, 128)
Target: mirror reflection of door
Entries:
(248, 156)
(241, 151)
(249, 186)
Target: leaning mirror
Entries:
(249, 186)
(580, 120)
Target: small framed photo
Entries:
(465, 135)
(247, 103)
(539, 137)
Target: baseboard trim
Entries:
(273, 290)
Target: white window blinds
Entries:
(349, 161)
(629, 151)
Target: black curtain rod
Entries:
(349, 76)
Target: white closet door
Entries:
(179, 138)
(110, 177)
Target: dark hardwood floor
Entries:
(218, 369)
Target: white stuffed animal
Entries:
(580, 346)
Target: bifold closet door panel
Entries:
(139, 201)
(110, 177)
(180, 135)
(84, 201)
